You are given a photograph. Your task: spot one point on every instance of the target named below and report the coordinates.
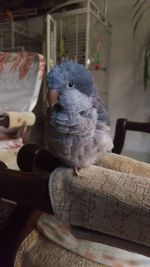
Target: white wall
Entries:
(127, 98)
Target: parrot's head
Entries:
(69, 84)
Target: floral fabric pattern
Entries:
(59, 233)
(20, 81)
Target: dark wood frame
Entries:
(30, 191)
(122, 126)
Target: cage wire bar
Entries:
(15, 37)
(74, 28)
(50, 42)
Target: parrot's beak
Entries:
(52, 97)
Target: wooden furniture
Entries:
(29, 188)
(21, 76)
(30, 191)
(122, 126)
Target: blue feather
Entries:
(78, 125)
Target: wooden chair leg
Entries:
(19, 225)
(120, 134)
(22, 220)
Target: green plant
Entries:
(138, 11)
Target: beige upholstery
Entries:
(43, 252)
(38, 251)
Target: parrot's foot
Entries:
(76, 171)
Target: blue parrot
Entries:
(77, 120)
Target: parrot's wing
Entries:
(102, 114)
(102, 133)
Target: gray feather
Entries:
(78, 126)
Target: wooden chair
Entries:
(122, 126)
(29, 188)
(21, 76)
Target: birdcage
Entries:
(82, 31)
(16, 37)
(83, 35)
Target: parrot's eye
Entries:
(70, 84)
